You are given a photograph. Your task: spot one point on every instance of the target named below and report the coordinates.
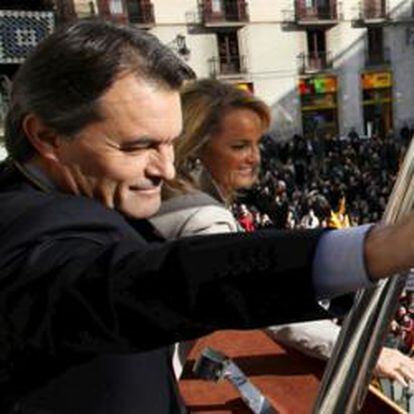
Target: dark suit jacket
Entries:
(88, 304)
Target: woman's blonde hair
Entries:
(204, 103)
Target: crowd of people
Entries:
(402, 327)
(329, 183)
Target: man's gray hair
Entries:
(63, 79)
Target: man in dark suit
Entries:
(90, 298)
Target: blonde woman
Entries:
(217, 155)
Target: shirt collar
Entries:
(36, 176)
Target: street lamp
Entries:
(181, 46)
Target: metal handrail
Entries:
(233, 11)
(345, 382)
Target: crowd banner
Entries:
(347, 375)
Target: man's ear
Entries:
(43, 138)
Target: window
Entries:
(216, 6)
(231, 10)
(116, 7)
(134, 11)
(375, 43)
(316, 40)
(317, 58)
(229, 56)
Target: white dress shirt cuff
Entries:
(338, 266)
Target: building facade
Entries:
(323, 66)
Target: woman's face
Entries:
(232, 155)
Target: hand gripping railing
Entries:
(348, 372)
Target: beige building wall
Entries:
(170, 12)
(83, 8)
(400, 40)
(271, 55)
(272, 67)
(271, 48)
(347, 45)
(271, 51)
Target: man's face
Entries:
(123, 160)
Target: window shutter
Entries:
(115, 10)
(241, 10)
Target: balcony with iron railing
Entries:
(232, 65)
(380, 58)
(314, 62)
(317, 14)
(370, 13)
(232, 13)
(141, 14)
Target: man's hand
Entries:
(395, 365)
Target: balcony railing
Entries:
(143, 14)
(314, 62)
(317, 12)
(379, 58)
(227, 66)
(232, 11)
(372, 10)
(113, 10)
